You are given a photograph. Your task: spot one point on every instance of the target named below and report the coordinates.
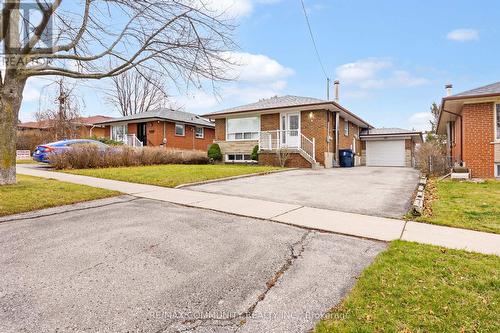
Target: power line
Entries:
(313, 40)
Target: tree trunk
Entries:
(10, 103)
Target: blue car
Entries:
(43, 152)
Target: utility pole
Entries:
(61, 112)
(61, 99)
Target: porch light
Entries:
(311, 115)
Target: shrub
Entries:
(283, 154)
(107, 141)
(214, 152)
(27, 140)
(255, 153)
(431, 159)
(91, 156)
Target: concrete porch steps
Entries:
(314, 165)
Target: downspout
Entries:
(328, 116)
(461, 133)
(90, 132)
(337, 120)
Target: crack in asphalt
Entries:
(296, 249)
(286, 266)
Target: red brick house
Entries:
(471, 122)
(313, 131)
(162, 128)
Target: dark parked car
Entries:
(43, 152)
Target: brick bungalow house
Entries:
(162, 128)
(471, 122)
(85, 126)
(313, 131)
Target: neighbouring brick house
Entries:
(471, 122)
(313, 131)
(84, 127)
(162, 128)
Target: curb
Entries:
(234, 177)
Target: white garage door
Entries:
(385, 153)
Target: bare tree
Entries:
(184, 39)
(433, 135)
(137, 91)
(282, 155)
(63, 117)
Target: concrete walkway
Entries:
(377, 228)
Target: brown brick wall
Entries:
(294, 161)
(316, 127)
(154, 130)
(270, 122)
(188, 141)
(345, 142)
(99, 132)
(478, 134)
(220, 129)
(132, 128)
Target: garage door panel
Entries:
(385, 153)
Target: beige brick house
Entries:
(313, 131)
(471, 122)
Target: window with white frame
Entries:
(199, 134)
(346, 128)
(180, 129)
(242, 128)
(497, 122)
(497, 170)
(119, 132)
(239, 158)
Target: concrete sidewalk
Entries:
(377, 228)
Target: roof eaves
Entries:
(154, 117)
(458, 97)
(215, 114)
(390, 134)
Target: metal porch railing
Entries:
(132, 140)
(287, 139)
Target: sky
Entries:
(392, 57)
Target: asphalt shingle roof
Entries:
(485, 90)
(166, 114)
(384, 130)
(45, 124)
(273, 102)
(93, 119)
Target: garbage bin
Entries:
(346, 158)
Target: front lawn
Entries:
(421, 288)
(172, 175)
(464, 205)
(33, 193)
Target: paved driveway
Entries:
(139, 265)
(366, 190)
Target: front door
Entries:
(142, 133)
(290, 123)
